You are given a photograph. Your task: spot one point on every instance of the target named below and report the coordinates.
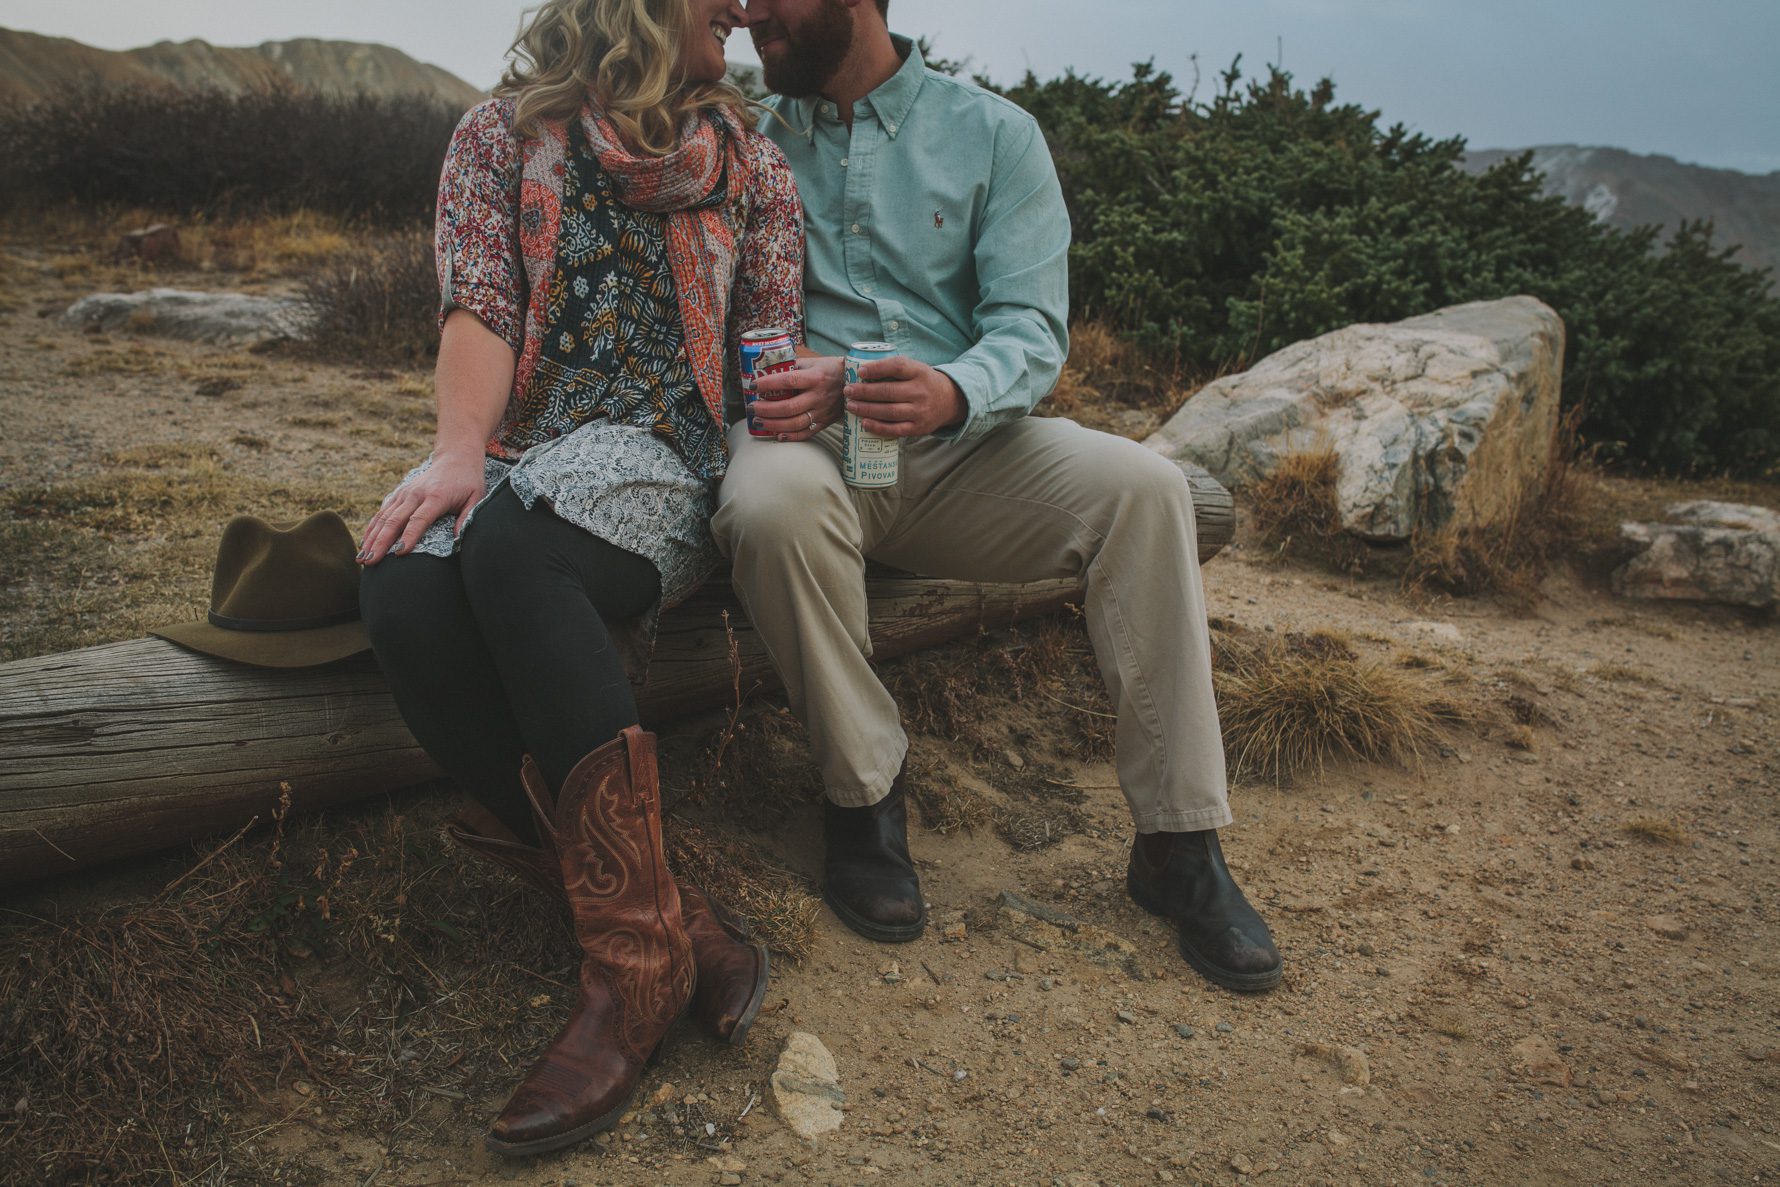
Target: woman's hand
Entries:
(796, 405)
(452, 485)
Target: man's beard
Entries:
(811, 54)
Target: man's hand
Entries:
(901, 397)
(796, 405)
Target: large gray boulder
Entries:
(223, 319)
(1712, 552)
(1447, 419)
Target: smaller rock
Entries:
(1710, 552)
(1534, 1061)
(1184, 1031)
(660, 1096)
(1127, 1017)
(1338, 1140)
(730, 1179)
(954, 932)
(1666, 926)
(806, 1087)
(1155, 1114)
(1224, 1028)
(1581, 863)
(1069, 1063)
(1241, 1165)
(1014, 759)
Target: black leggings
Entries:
(502, 650)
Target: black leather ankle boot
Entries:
(870, 880)
(1221, 935)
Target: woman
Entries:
(608, 225)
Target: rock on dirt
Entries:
(1443, 419)
(1706, 552)
(1666, 926)
(1351, 1062)
(806, 1087)
(221, 319)
(1534, 1060)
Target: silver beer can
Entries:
(868, 460)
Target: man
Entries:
(935, 223)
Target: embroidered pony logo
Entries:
(939, 221)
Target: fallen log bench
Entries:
(130, 747)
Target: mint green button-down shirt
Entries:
(935, 224)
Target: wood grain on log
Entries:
(130, 747)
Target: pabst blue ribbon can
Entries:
(868, 460)
(763, 352)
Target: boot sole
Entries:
(739, 1035)
(605, 1121)
(563, 1140)
(881, 933)
(1216, 974)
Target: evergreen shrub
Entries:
(1218, 231)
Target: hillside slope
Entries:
(1625, 190)
(32, 64)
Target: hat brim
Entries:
(272, 649)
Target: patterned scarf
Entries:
(701, 235)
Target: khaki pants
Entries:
(1037, 498)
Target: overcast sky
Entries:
(1695, 79)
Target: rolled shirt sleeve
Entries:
(769, 260)
(475, 237)
(1021, 318)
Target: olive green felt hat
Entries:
(282, 597)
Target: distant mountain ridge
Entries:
(1625, 190)
(31, 65)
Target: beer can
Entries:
(868, 460)
(763, 352)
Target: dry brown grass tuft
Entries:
(949, 808)
(1112, 385)
(1295, 511)
(1521, 737)
(1624, 674)
(1285, 711)
(1511, 558)
(774, 904)
(1659, 830)
(1298, 498)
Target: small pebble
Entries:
(1184, 1031)
(1225, 1028)
(1070, 1063)
(1127, 1017)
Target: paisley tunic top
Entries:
(615, 415)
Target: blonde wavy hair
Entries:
(627, 54)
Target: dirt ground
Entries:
(1549, 964)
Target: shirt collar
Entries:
(890, 103)
(893, 98)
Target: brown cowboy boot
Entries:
(636, 969)
(732, 973)
(482, 833)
